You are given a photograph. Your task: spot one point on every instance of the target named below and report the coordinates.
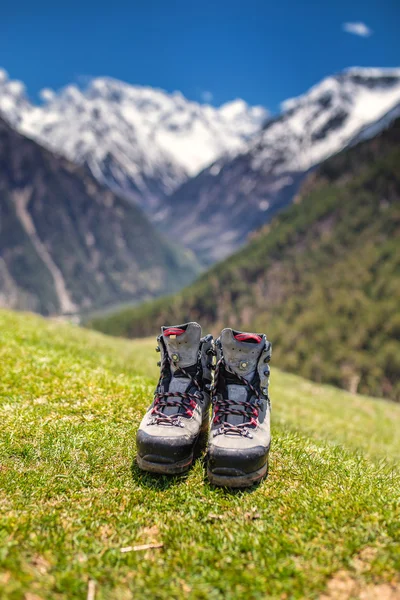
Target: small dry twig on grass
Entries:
(213, 517)
(141, 547)
(91, 592)
(252, 516)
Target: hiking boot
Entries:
(175, 427)
(240, 432)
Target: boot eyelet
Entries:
(175, 357)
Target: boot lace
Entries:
(179, 399)
(224, 407)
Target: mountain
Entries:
(214, 212)
(209, 176)
(141, 142)
(322, 279)
(68, 244)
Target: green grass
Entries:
(71, 496)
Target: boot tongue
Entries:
(182, 343)
(241, 353)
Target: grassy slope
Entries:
(70, 402)
(323, 279)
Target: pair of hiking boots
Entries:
(232, 375)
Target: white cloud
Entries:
(360, 29)
(207, 96)
(47, 94)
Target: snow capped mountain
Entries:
(140, 141)
(235, 195)
(13, 101)
(326, 118)
(151, 146)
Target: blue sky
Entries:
(261, 51)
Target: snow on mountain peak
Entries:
(243, 192)
(234, 108)
(16, 88)
(325, 119)
(141, 141)
(345, 81)
(377, 72)
(47, 95)
(3, 75)
(144, 142)
(13, 100)
(239, 111)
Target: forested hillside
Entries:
(322, 279)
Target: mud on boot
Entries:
(240, 434)
(176, 425)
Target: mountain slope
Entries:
(141, 142)
(214, 212)
(149, 146)
(322, 279)
(72, 497)
(67, 244)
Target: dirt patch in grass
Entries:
(346, 585)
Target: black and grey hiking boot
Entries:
(240, 434)
(176, 425)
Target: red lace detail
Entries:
(173, 331)
(224, 407)
(177, 399)
(247, 337)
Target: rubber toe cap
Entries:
(237, 461)
(165, 448)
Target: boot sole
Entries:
(156, 464)
(151, 465)
(237, 481)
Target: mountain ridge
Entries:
(142, 142)
(150, 146)
(231, 197)
(68, 244)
